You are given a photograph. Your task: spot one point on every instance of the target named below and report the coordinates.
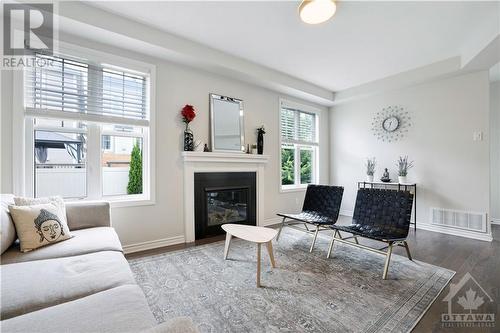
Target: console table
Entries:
(412, 187)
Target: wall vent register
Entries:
(459, 219)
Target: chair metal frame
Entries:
(338, 237)
(306, 229)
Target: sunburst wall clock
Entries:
(391, 124)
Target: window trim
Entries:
(23, 135)
(298, 144)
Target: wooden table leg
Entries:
(258, 265)
(271, 255)
(226, 247)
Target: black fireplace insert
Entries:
(223, 197)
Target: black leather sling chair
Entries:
(321, 209)
(382, 215)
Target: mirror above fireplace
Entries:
(227, 131)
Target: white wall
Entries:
(177, 85)
(6, 131)
(452, 170)
(495, 150)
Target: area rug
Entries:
(305, 293)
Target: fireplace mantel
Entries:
(194, 156)
(195, 162)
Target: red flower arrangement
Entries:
(188, 114)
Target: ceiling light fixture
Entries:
(316, 11)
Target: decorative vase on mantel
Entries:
(260, 140)
(188, 139)
(402, 179)
(188, 114)
(369, 178)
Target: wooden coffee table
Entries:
(253, 234)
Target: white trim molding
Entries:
(455, 232)
(149, 245)
(195, 162)
(272, 221)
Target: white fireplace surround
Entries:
(195, 162)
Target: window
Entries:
(121, 165)
(299, 146)
(90, 128)
(60, 158)
(106, 142)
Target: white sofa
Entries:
(83, 284)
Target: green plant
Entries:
(135, 172)
(305, 166)
(287, 166)
(370, 166)
(404, 166)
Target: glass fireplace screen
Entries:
(227, 206)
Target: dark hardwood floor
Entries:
(481, 259)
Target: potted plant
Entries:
(188, 114)
(403, 167)
(370, 169)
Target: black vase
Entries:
(260, 143)
(188, 140)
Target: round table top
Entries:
(250, 233)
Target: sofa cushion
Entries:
(30, 286)
(39, 225)
(83, 241)
(121, 309)
(88, 214)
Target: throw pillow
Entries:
(55, 200)
(39, 225)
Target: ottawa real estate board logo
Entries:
(469, 305)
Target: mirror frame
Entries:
(213, 97)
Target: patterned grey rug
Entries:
(305, 293)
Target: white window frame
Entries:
(299, 146)
(23, 136)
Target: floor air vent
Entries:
(459, 219)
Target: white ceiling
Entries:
(365, 41)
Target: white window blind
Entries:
(81, 90)
(298, 126)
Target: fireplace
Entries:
(223, 197)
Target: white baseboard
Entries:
(149, 245)
(455, 232)
(495, 221)
(271, 221)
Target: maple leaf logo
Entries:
(470, 301)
